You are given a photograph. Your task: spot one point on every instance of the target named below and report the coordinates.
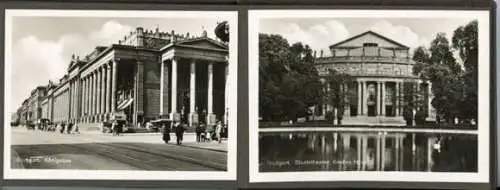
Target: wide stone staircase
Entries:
(89, 126)
(374, 121)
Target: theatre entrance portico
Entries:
(193, 81)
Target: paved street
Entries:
(97, 151)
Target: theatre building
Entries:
(148, 74)
(382, 73)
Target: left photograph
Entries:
(120, 95)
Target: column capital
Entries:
(174, 58)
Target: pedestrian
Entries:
(62, 128)
(198, 132)
(119, 128)
(208, 132)
(114, 128)
(77, 130)
(70, 126)
(218, 131)
(179, 132)
(166, 133)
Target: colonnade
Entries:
(381, 100)
(174, 108)
(98, 93)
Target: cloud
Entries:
(399, 33)
(110, 32)
(318, 36)
(36, 61)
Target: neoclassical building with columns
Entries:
(148, 74)
(383, 77)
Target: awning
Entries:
(125, 104)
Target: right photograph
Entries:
(369, 95)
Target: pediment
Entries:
(205, 43)
(369, 37)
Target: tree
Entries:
(289, 83)
(338, 92)
(441, 53)
(445, 74)
(422, 59)
(465, 41)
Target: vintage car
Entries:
(119, 117)
(156, 125)
(46, 125)
(30, 125)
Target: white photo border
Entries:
(36, 174)
(483, 174)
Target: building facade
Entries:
(146, 75)
(384, 83)
(31, 108)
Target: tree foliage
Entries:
(338, 93)
(289, 83)
(454, 86)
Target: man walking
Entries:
(179, 131)
(218, 131)
(198, 132)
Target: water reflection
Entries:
(363, 151)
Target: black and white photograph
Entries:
(358, 95)
(140, 95)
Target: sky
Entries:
(42, 46)
(319, 33)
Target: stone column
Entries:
(91, 96)
(75, 99)
(192, 95)
(98, 95)
(397, 98)
(328, 88)
(163, 88)
(378, 98)
(78, 96)
(173, 95)
(359, 98)
(113, 85)
(347, 109)
(103, 92)
(108, 88)
(383, 98)
(82, 98)
(365, 98)
(85, 97)
(69, 103)
(210, 116)
(139, 92)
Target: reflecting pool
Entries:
(367, 151)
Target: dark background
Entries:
(242, 6)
